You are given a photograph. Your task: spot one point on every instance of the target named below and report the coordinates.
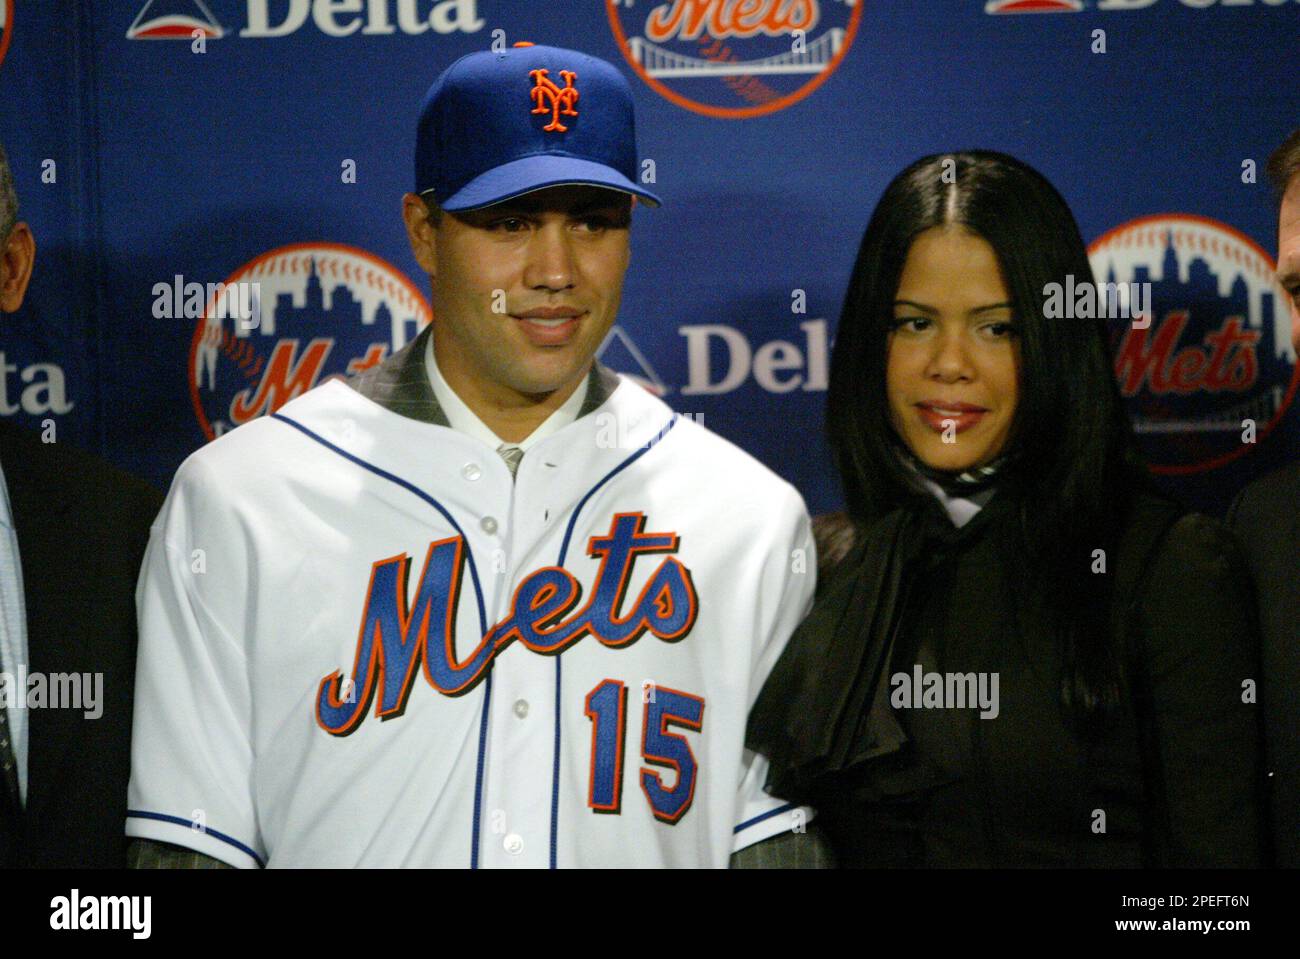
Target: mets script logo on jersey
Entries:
(555, 100)
(322, 309)
(1214, 366)
(734, 58)
(396, 639)
(6, 26)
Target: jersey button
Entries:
(521, 708)
(489, 525)
(513, 843)
(471, 471)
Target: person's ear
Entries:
(631, 208)
(16, 261)
(420, 231)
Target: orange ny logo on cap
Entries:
(558, 100)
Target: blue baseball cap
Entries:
(496, 125)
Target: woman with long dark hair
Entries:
(1021, 654)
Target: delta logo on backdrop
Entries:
(286, 321)
(734, 60)
(1217, 352)
(188, 19)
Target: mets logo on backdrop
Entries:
(1216, 352)
(734, 58)
(289, 319)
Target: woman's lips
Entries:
(961, 416)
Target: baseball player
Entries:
(488, 603)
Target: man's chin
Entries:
(539, 384)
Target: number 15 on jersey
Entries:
(606, 707)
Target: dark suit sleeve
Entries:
(787, 850)
(82, 527)
(1199, 647)
(1265, 517)
(148, 854)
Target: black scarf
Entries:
(825, 707)
(960, 483)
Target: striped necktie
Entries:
(512, 455)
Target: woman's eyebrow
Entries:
(930, 309)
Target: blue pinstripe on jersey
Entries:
(564, 551)
(478, 592)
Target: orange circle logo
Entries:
(735, 59)
(1206, 356)
(286, 321)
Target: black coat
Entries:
(1266, 519)
(943, 787)
(82, 527)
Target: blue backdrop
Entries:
(271, 140)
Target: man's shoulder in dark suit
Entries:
(82, 528)
(1269, 491)
(1266, 519)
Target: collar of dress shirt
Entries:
(464, 420)
(960, 509)
(6, 511)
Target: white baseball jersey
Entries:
(363, 644)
